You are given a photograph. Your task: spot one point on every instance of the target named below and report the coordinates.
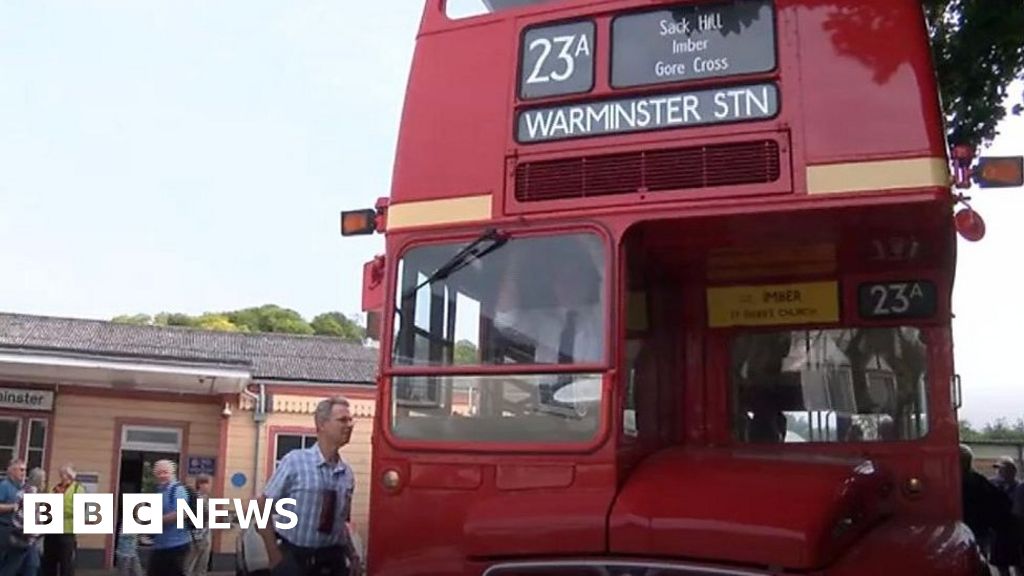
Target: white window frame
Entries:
(302, 443)
(46, 439)
(127, 444)
(16, 449)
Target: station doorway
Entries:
(141, 447)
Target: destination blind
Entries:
(674, 110)
(693, 41)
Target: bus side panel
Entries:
(456, 508)
(453, 130)
(867, 83)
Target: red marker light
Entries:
(969, 224)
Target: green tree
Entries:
(266, 318)
(1000, 429)
(338, 325)
(1003, 430)
(967, 433)
(978, 51)
(219, 322)
(466, 353)
(174, 319)
(137, 319)
(270, 318)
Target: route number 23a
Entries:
(568, 48)
(906, 299)
(893, 299)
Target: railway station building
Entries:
(111, 399)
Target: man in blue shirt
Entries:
(322, 485)
(11, 490)
(170, 546)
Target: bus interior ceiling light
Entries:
(358, 222)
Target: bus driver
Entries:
(560, 321)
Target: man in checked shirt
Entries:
(322, 484)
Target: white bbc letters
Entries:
(44, 513)
(142, 513)
(185, 513)
(219, 509)
(93, 513)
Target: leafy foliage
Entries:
(270, 318)
(137, 319)
(336, 324)
(466, 353)
(267, 318)
(967, 433)
(978, 50)
(1001, 429)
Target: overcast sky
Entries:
(193, 156)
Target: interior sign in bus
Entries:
(651, 47)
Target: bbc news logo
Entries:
(142, 513)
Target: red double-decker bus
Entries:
(667, 291)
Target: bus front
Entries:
(667, 291)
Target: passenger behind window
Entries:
(887, 431)
(557, 319)
(767, 425)
(761, 402)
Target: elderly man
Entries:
(171, 546)
(1006, 475)
(322, 485)
(986, 510)
(1005, 552)
(11, 491)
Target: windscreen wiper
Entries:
(486, 243)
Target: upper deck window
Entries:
(845, 385)
(469, 8)
(534, 300)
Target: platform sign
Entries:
(26, 399)
(773, 304)
(201, 465)
(90, 481)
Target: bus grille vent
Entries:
(709, 166)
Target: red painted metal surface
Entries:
(855, 77)
(855, 85)
(821, 505)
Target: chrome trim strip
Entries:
(605, 567)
